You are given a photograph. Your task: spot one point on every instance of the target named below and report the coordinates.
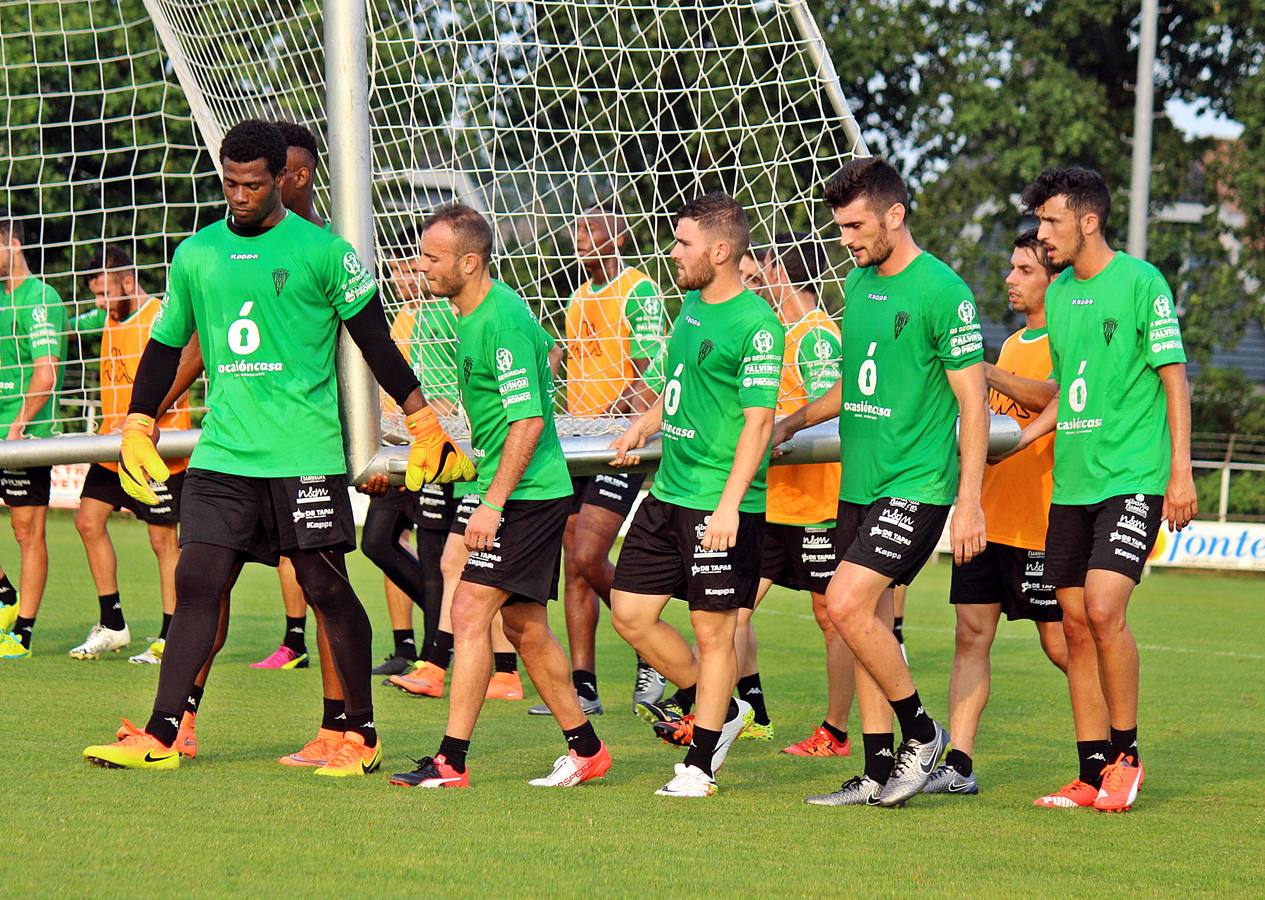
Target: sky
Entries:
(1196, 125)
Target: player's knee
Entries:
(972, 637)
(162, 540)
(1104, 620)
(589, 562)
(24, 532)
(451, 564)
(88, 526)
(467, 617)
(628, 621)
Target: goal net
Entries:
(533, 112)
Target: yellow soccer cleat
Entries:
(11, 647)
(433, 458)
(134, 751)
(139, 462)
(9, 614)
(352, 758)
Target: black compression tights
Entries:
(323, 576)
(418, 577)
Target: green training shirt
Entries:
(267, 310)
(721, 358)
(1108, 335)
(897, 425)
(33, 324)
(504, 376)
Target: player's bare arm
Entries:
(649, 423)
(966, 528)
(1039, 427)
(187, 372)
(753, 442)
(1181, 503)
(520, 444)
(557, 356)
(1031, 394)
(40, 388)
(636, 396)
(823, 409)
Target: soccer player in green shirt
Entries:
(33, 325)
(515, 534)
(912, 363)
(698, 535)
(266, 292)
(1121, 466)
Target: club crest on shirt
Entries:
(467, 365)
(902, 319)
(1109, 327)
(279, 277)
(704, 349)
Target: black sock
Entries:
(898, 629)
(164, 726)
(296, 634)
(1093, 759)
(749, 690)
(959, 761)
(111, 616)
(731, 711)
(505, 662)
(454, 750)
(362, 724)
(914, 722)
(194, 700)
(1125, 742)
(8, 593)
(585, 685)
(582, 740)
(162, 635)
(23, 628)
(879, 757)
(835, 733)
(440, 651)
(684, 697)
(335, 716)
(702, 747)
(405, 645)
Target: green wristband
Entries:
(499, 509)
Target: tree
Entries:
(977, 97)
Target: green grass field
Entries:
(235, 822)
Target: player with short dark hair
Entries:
(615, 324)
(267, 292)
(123, 315)
(697, 536)
(33, 325)
(912, 363)
(1121, 466)
(1009, 576)
(515, 534)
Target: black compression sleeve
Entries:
(368, 328)
(155, 374)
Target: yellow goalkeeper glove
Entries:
(139, 462)
(433, 458)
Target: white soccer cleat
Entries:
(729, 733)
(101, 640)
(690, 781)
(152, 656)
(570, 770)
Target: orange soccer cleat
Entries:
(505, 686)
(820, 743)
(1120, 783)
(427, 680)
(316, 752)
(679, 733)
(1073, 795)
(352, 757)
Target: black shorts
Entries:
(891, 536)
(26, 487)
(435, 507)
(1011, 576)
(616, 491)
(465, 507)
(1115, 534)
(526, 555)
(799, 557)
(663, 554)
(103, 484)
(266, 518)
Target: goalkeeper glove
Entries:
(433, 456)
(139, 462)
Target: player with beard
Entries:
(1009, 576)
(1121, 466)
(267, 291)
(515, 534)
(912, 363)
(697, 536)
(123, 315)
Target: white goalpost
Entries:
(532, 111)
